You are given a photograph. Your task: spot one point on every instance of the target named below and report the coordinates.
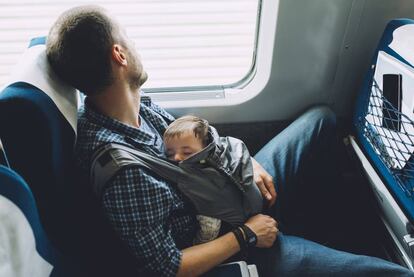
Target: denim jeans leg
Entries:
(293, 256)
(304, 146)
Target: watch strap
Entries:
(250, 236)
(240, 238)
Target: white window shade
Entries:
(182, 43)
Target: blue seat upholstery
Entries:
(38, 139)
(39, 145)
(21, 228)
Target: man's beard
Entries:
(137, 79)
(137, 76)
(143, 78)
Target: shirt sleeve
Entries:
(138, 207)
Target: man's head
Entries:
(86, 47)
(186, 136)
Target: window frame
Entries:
(241, 91)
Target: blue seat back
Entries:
(390, 151)
(39, 145)
(36, 135)
(21, 227)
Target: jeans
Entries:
(297, 158)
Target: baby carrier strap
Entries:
(112, 157)
(211, 197)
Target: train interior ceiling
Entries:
(303, 53)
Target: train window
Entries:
(186, 45)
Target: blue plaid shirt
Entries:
(148, 213)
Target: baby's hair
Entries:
(188, 123)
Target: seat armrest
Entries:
(236, 269)
(3, 157)
(390, 213)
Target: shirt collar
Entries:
(136, 134)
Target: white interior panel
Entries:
(322, 50)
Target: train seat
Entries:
(384, 134)
(25, 248)
(38, 127)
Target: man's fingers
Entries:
(261, 185)
(264, 182)
(270, 187)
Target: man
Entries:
(89, 50)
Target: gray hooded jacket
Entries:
(218, 180)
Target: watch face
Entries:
(252, 240)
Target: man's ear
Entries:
(118, 54)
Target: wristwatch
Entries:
(250, 236)
(246, 238)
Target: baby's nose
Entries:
(178, 157)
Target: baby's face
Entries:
(182, 147)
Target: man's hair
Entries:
(188, 123)
(79, 48)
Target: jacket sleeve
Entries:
(236, 158)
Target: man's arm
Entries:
(199, 259)
(137, 205)
(134, 205)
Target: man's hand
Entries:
(265, 228)
(264, 182)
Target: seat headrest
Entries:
(403, 42)
(34, 68)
